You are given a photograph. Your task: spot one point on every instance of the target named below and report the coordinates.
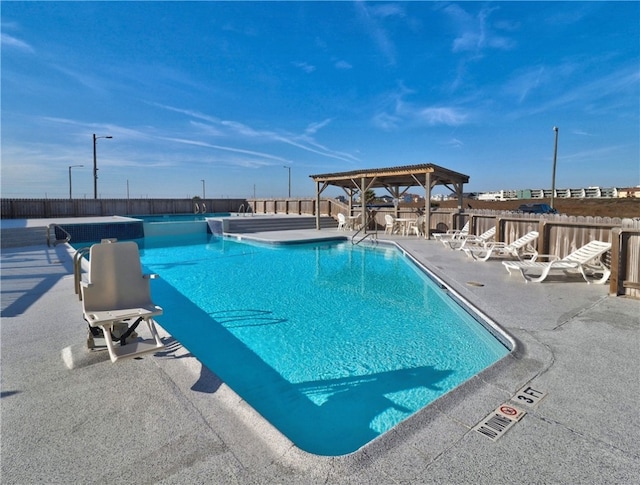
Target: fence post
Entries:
(543, 237)
(617, 263)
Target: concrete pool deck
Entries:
(73, 417)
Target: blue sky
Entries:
(233, 92)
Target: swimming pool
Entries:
(334, 344)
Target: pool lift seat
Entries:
(117, 293)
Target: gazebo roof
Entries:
(404, 176)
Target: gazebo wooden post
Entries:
(427, 205)
(318, 206)
(363, 203)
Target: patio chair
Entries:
(115, 294)
(586, 259)
(452, 234)
(417, 227)
(519, 249)
(342, 222)
(391, 225)
(461, 242)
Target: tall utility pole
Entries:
(70, 167)
(95, 165)
(553, 174)
(289, 169)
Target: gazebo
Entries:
(396, 180)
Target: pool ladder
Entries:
(373, 236)
(56, 241)
(245, 210)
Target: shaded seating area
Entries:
(117, 297)
(586, 259)
(396, 181)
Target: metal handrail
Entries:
(77, 269)
(56, 240)
(245, 210)
(372, 235)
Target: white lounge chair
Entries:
(461, 242)
(586, 259)
(452, 234)
(116, 292)
(519, 249)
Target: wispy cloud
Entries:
(373, 17)
(343, 65)
(441, 115)
(397, 112)
(314, 127)
(523, 83)
(9, 42)
(598, 91)
(454, 142)
(242, 131)
(306, 67)
(225, 148)
(475, 34)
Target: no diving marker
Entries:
(511, 411)
(499, 421)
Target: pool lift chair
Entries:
(116, 294)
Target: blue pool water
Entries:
(334, 344)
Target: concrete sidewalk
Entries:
(166, 419)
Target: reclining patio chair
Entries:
(517, 249)
(115, 294)
(452, 234)
(461, 242)
(586, 259)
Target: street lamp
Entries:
(553, 175)
(70, 167)
(95, 165)
(203, 197)
(289, 169)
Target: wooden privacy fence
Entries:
(559, 234)
(45, 208)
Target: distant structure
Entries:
(582, 193)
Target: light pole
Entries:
(70, 167)
(95, 165)
(553, 174)
(202, 180)
(289, 169)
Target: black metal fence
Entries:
(45, 208)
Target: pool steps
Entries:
(236, 225)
